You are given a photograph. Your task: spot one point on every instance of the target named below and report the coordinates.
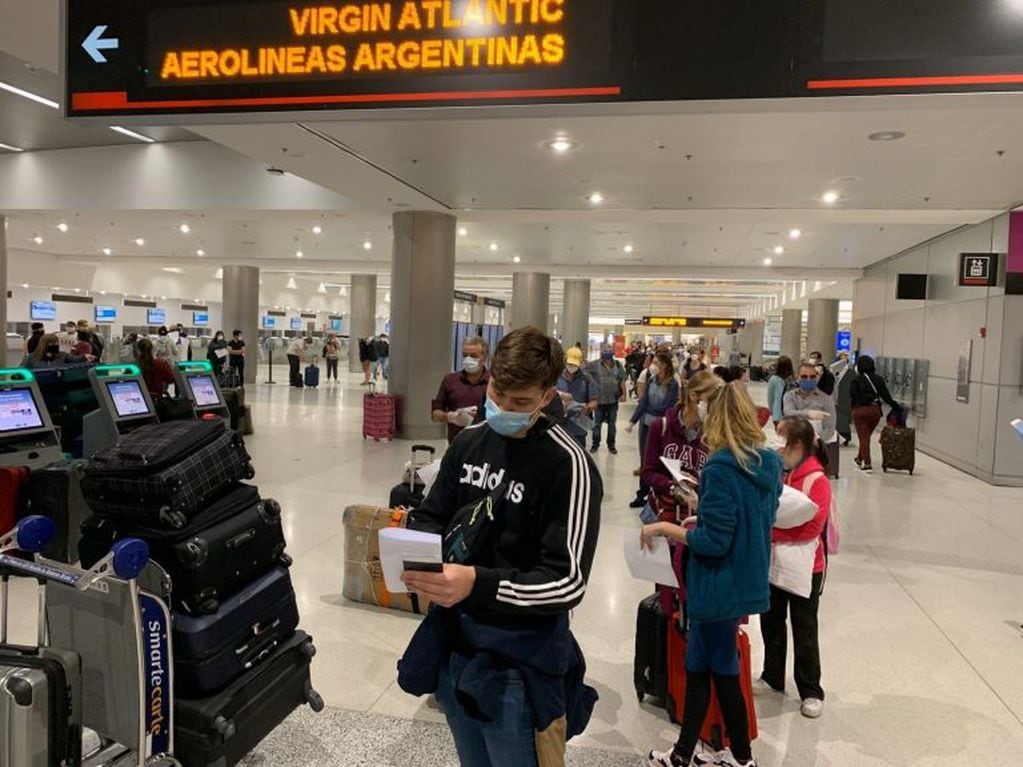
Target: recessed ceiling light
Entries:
(24, 285)
(367, 245)
(628, 248)
(887, 135)
(299, 254)
(10, 148)
(102, 292)
(185, 229)
(200, 252)
(778, 250)
(462, 232)
(140, 241)
(163, 298)
(37, 240)
(795, 234)
(29, 95)
(107, 251)
(596, 198)
(830, 197)
(132, 134)
(317, 229)
(173, 269)
(561, 144)
(768, 261)
(517, 259)
(63, 227)
(493, 247)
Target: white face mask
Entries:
(572, 369)
(471, 365)
(701, 410)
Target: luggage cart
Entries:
(122, 634)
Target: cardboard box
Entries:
(363, 576)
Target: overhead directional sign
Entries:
(694, 322)
(144, 57)
(95, 44)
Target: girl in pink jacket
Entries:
(805, 458)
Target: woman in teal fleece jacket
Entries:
(730, 554)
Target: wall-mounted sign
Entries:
(296, 323)
(496, 303)
(634, 321)
(694, 322)
(106, 314)
(978, 270)
(156, 316)
(844, 341)
(43, 311)
(469, 298)
(269, 323)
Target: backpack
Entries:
(832, 534)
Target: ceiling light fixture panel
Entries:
(29, 95)
(10, 148)
(132, 134)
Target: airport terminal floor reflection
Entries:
(920, 620)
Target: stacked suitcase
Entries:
(379, 415)
(241, 666)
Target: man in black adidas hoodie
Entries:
(530, 567)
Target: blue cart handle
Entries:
(31, 535)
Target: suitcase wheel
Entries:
(270, 510)
(208, 607)
(313, 698)
(250, 472)
(224, 727)
(285, 560)
(309, 650)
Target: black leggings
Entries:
(733, 710)
(332, 368)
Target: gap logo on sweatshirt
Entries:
(482, 477)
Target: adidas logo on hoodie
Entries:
(481, 477)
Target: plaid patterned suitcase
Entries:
(162, 475)
(379, 415)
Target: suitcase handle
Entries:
(244, 539)
(424, 449)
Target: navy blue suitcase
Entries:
(312, 376)
(211, 651)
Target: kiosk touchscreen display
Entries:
(204, 391)
(127, 398)
(18, 411)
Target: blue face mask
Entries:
(607, 356)
(507, 423)
(808, 385)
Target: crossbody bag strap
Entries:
(808, 484)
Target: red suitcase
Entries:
(713, 732)
(379, 415)
(13, 485)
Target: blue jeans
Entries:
(605, 414)
(508, 742)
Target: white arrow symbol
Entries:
(95, 46)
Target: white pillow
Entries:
(795, 509)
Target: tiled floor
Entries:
(920, 624)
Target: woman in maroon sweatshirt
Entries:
(678, 436)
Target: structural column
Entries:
(575, 319)
(3, 274)
(822, 327)
(755, 334)
(240, 293)
(531, 298)
(364, 314)
(791, 334)
(422, 289)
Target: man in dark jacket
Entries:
(826, 379)
(529, 553)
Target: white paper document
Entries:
(650, 566)
(674, 467)
(398, 546)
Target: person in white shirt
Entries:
(297, 356)
(165, 348)
(69, 338)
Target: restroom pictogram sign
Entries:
(978, 270)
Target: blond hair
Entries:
(732, 424)
(704, 383)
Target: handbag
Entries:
(792, 563)
(471, 530)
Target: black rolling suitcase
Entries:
(221, 730)
(409, 493)
(211, 651)
(650, 665)
(228, 545)
(834, 459)
(161, 475)
(56, 492)
(40, 700)
(898, 449)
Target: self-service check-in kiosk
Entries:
(197, 381)
(27, 436)
(124, 405)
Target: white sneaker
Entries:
(667, 759)
(812, 708)
(760, 688)
(661, 759)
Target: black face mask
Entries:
(53, 349)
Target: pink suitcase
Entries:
(379, 418)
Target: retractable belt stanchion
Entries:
(270, 364)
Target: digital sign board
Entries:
(142, 57)
(694, 322)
